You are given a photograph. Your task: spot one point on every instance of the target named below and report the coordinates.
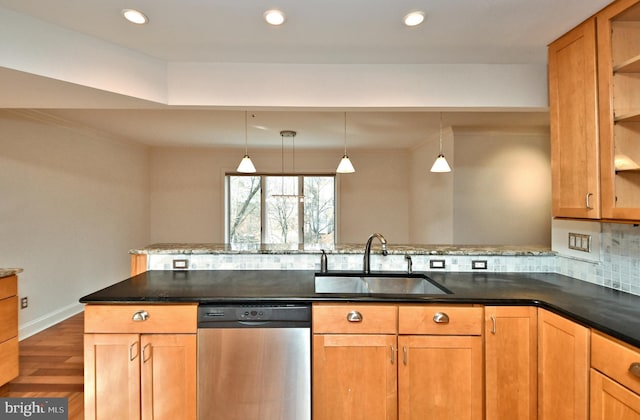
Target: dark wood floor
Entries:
(51, 365)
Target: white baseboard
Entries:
(46, 321)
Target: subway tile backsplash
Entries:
(618, 267)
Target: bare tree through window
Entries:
(290, 210)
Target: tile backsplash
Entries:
(615, 263)
(619, 263)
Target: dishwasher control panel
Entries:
(229, 316)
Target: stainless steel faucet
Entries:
(366, 266)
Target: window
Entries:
(276, 209)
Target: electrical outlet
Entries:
(479, 264)
(436, 263)
(24, 303)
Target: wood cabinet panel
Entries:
(563, 368)
(112, 376)
(9, 360)
(611, 401)
(354, 377)
(168, 376)
(421, 319)
(161, 318)
(8, 286)
(615, 359)
(375, 319)
(440, 377)
(9, 318)
(511, 363)
(573, 112)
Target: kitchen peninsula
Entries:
(562, 314)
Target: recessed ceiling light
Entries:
(274, 17)
(135, 16)
(414, 18)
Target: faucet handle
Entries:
(409, 263)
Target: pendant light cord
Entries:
(345, 133)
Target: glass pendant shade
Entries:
(246, 165)
(345, 166)
(441, 164)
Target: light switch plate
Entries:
(580, 242)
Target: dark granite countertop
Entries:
(612, 312)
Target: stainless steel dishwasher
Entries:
(254, 362)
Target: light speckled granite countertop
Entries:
(5, 272)
(202, 248)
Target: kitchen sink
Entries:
(357, 283)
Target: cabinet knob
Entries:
(441, 318)
(634, 369)
(354, 316)
(140, 316)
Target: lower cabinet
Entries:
(428, 364)
(511, 369)
(354, 377)
(563, 366)
(8, 329)
(146, 371)
(615, 379)
(440, 377)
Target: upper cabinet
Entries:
(619, 102)
(574, 123)
(594, 103)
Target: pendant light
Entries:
(440, 165)
(289, 134)
(246, 165)
(345, 166)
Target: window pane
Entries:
(319, 210)
(281, 205)
(244, 209)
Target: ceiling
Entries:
(331, 31)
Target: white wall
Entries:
(187, 191)
(431, 209)
(73, 202)
(502, 188)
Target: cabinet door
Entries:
(168, 376)
(612, 401)
(440, 377)
(574, 126)
(112, 376)
(354, 377)
(511, 363)
(563, 366)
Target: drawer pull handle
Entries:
(354, 316)
(140, 316)
(634, 369)
(441, 318)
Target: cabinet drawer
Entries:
(365, 319)
(8, 318)
(440, 320)
(8, 286)
(151, 318)
(614, 359)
